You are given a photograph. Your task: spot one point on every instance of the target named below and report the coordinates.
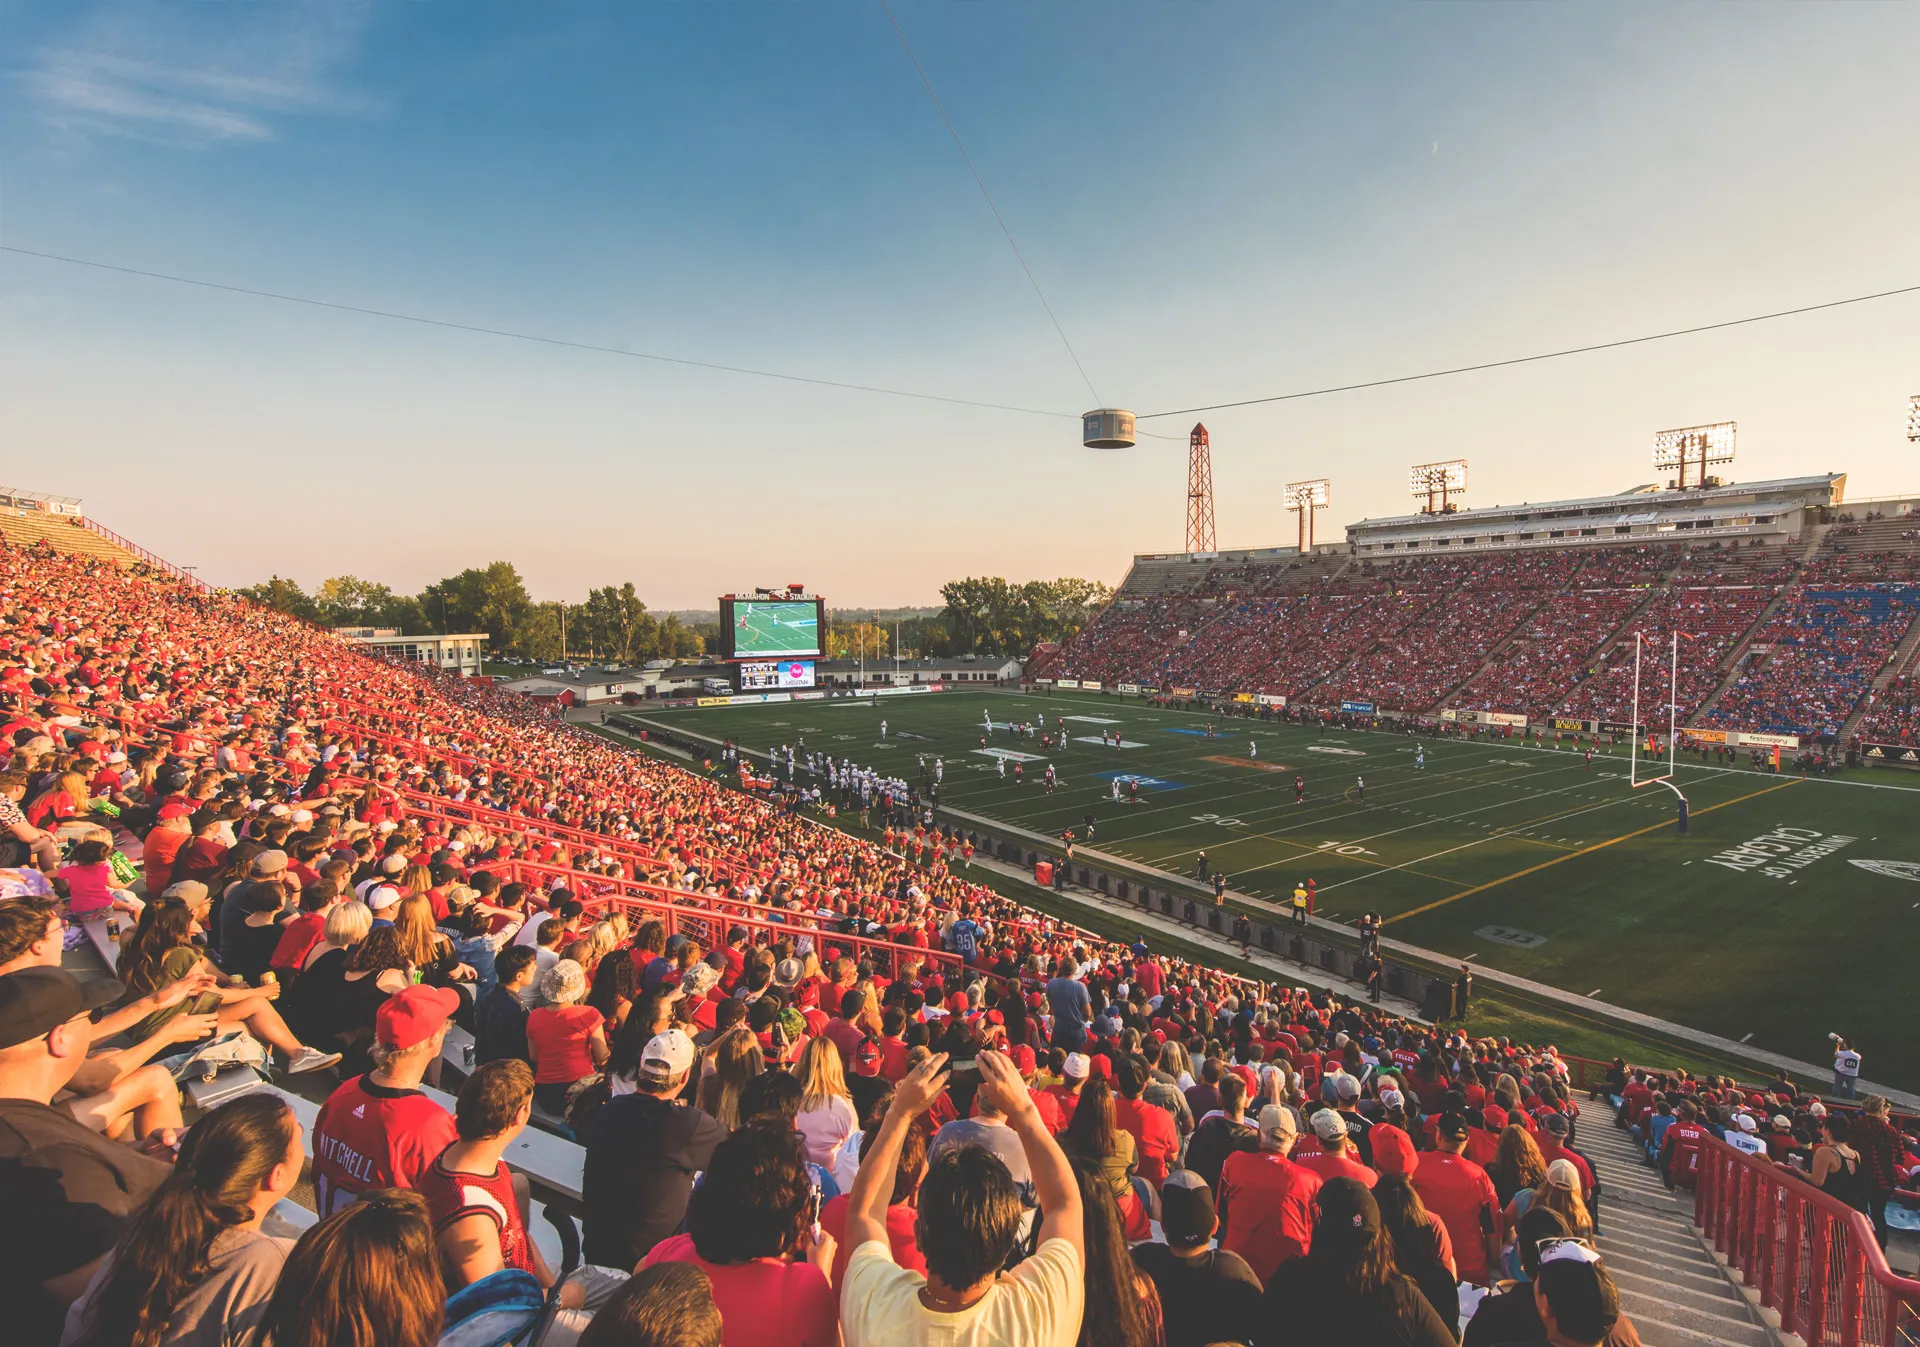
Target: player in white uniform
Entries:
(883, 729)
(1115, 783)
(1420, 755)
(1253, 748)
(1003, 767)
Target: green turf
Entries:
(1489, 836)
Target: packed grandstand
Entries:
(1784, 640)
(799, 1089)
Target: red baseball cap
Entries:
(1393, 1151)
(413, 1015)
(1494, 1117)
(866, 1058)
(175, 810)
(1023, 1059)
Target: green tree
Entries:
(348, 601)
(990, 615)
(538, 633)
(492, 599)
(286, 595)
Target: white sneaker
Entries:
(311, 1059)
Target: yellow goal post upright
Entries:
(1666, 778)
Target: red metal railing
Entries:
(159, 563)
(1812, 1259)
(706, 919)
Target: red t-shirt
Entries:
(1269, 1209)
(297, 939)
(1155, 1139)
(1342, 1166)
(906, 1252)
(371, 1136)
(1483, 1147)
(764, 1302)
(1459, 1192)
(893, 1059)
(1551, 1150)
(451, 1196)
(157, 855)
(558, 1036)
(844, 1035)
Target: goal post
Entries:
(1664, 778)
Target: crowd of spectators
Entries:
(1545, 634)
(1822, 649)
(786, 1141)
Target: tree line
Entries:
(984, 615)
(612, 625)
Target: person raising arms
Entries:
(970, 1213)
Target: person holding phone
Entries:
(969, 1216)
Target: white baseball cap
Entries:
(667, 1055)
(1078, 1066)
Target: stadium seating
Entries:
(181, 671)
(1546, 633)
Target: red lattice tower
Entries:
(1199, 492)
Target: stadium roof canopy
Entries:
(1762, 511)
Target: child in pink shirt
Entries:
(90, 886)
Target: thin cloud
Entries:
(198, 75)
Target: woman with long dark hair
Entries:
(193, 1266)
(163, 951)
(1518, 1166)
(367, 1276)
(1092, 1135)
(1421, 1246)
(1123, 1305)
(1349, 1288)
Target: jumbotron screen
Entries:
(769, 629)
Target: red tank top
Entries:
(451, 1196)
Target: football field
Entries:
(1791, 908)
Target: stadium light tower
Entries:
(1199, 491)
(1437, 481)
(1303, 498)
(1694, 444)
(1913, 418)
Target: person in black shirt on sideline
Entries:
(1207, 1295)
(643, 1150)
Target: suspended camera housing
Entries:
(1107, 428)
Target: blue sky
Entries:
(1220, 200)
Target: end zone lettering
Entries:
(1780, 853)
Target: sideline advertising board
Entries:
(1891, 755)
(1357, 708)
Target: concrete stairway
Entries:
(1670, 1285)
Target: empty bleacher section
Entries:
(30, 517)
